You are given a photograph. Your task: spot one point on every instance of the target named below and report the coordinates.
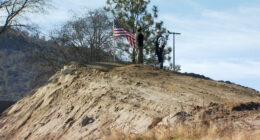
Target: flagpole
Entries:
(114, 47)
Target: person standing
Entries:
(140, 45)
(160, 43)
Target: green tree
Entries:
(133, 13)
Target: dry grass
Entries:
(188, 132)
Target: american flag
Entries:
(119, 31)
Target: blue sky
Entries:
(220, 38)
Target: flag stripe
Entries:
(121, 32)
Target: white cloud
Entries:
(61, 11)
(224, 69)
(224, 45)
(241, 72)
(210, 35)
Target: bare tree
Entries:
(93, 32)
(10, 10)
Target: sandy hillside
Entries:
(112, 101)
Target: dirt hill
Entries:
(120, 101)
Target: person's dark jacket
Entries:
(139, 39)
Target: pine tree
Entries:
(133, 13)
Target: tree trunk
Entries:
(133, 55)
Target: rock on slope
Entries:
(109, 101)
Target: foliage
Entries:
(28, 61)
(176, 68)
(133, 13)
(93, 30)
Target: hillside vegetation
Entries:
(27, 62)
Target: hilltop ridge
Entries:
(127, 101)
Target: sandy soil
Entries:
(113, 101)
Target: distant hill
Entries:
(4, 105)
(27, 62)
(114, 101)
